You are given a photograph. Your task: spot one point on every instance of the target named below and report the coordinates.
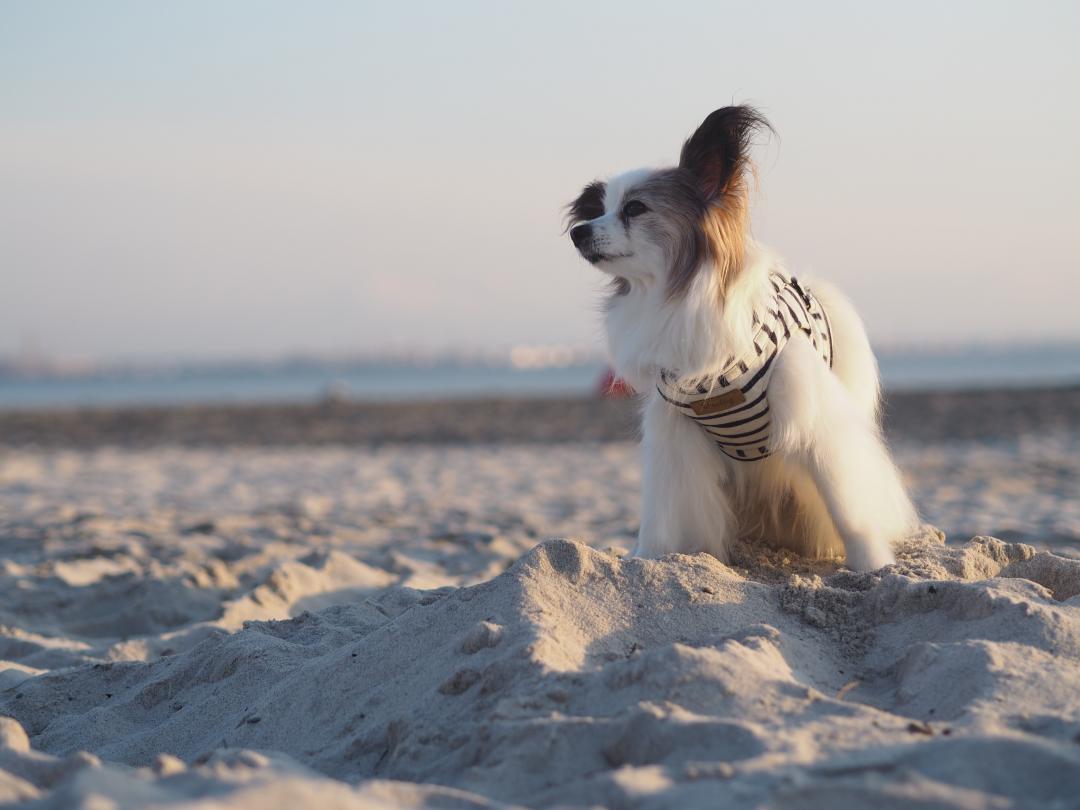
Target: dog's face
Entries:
(641, 226)
(660, 226)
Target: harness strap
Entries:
(733, 406)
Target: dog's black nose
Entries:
(580, 234)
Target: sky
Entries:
(251, 179)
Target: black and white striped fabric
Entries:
(734, 406)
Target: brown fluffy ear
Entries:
(718, 152)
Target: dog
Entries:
(761, 413)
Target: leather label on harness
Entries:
(718, 404)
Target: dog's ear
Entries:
(717, 153)
(588, 205)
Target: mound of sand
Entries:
(578, 677)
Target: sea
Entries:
(972, 368)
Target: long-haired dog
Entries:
(761, 417)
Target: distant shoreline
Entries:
(921, 416)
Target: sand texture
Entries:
(402, 626)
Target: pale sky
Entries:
(209, 179)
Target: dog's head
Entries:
(663, 225)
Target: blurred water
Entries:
(1026, 366)
(975, 368)
(304, 384)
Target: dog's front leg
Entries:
(816, 421)
(683, 506)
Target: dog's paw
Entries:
(869, 558)
(647, 550)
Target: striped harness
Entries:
(734, 407)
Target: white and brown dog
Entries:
(761, 417)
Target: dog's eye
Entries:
(634, 208)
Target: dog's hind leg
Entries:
(816, 423)
(683, 507)
(803, 523)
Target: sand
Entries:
(457, 626)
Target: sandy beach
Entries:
(430, 606)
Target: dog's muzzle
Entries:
(582, 237)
